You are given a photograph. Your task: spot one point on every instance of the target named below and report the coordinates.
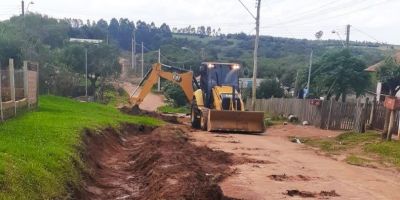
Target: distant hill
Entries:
(278, 57)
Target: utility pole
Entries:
(23, 8)
(295, 84)
(254, 88)
(134, 51)
(309, 75)
(347, 35)
(86, 80)
(159, 79)
(202, 54)
(142, 59)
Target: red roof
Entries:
(375, 67)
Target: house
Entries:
(248, 82)
(374, 68)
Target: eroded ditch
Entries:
(140, 162)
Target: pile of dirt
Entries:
(141, 163)
(306, 194)
(135, 110)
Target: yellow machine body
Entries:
(233, 117)
(226, 112)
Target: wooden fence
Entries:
(18, 89)
(330, 115)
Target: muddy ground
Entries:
(293, 171)
(141, 163)
(176, 162)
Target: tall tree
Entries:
(339, 73)
(113, 29)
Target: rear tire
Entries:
(195, 117)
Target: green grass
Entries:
(389, 151)
(355, 160)
(171, 109)
(38, 150)
(343, 141)
(369, 145)
(114, 98)
(272, 120)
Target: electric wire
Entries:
(247, 9)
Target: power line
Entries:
(305, 18)
(166, 58)
(245, 7)
(312, 13)
(366, 34)
(297, 15)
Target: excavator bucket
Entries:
(235, 121)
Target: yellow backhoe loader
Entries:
(216, 104)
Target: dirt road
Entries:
(292, 166)
(281, 166)
(150, 103)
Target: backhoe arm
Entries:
(184, 80)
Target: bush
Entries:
(175, 94)
(268, 89)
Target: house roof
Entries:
(375, 67)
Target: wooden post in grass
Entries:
(26, 82)
(1, 98)
(398, 126)
(12, 83)
(364, 116)
(371, 116)
(391, 125)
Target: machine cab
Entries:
(224, 79)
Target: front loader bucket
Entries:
(235, 121)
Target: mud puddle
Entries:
(141, 163)
(284, 177)
(306, 194)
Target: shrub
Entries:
(175, 94)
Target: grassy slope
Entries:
(369, 143)
(38, 150)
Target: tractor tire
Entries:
(195, 116)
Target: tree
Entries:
(389, 75)
(339, 73)
(102, 61)
(269, 88)
(125, 33)
(113, 28)
(208, 31)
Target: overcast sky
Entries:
(371, 20)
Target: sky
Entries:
(370, 20)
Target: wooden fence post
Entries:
(364, 116)
(398, 126)
(12, 82)
(37, 85)
(26, 86)
(371, 116)
(391, 125)
(329, 115)
(1, 98)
